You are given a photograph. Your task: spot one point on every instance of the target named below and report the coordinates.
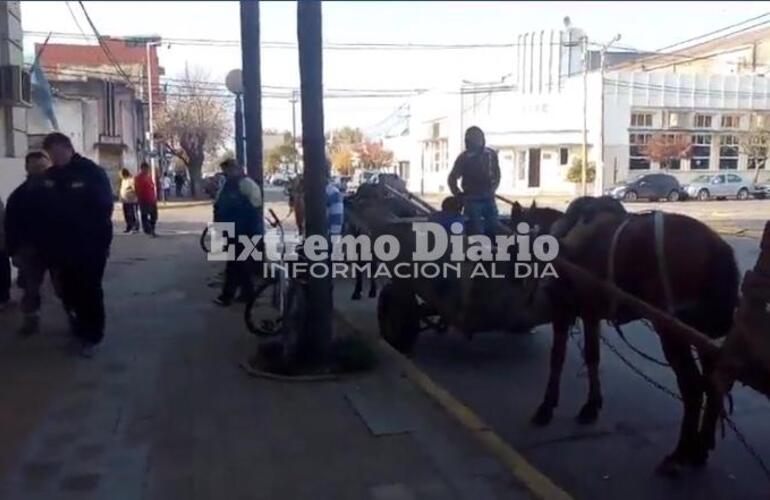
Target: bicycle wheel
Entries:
(263, 314)
(205, 240)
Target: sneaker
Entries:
(127, 230)
(30, 326)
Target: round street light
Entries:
(234, 81)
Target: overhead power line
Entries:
(103, 45)
(293, 45)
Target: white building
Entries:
(534, 118)
(14, 99)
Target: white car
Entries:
(708, 186)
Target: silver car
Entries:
(708, 186)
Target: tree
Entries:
(754, 144)
(666, 148)
(373, 156)
(346, 136)
(575, 174)
(342, 160)
(283, 154)
(194, 123)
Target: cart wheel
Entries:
(398, 315)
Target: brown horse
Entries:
(673, 262)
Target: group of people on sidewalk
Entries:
(59, 221)
(139, 198)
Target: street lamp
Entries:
(602, 65)
(294, 99)
(234, 83)
(147, 45)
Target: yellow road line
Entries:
(540, 485)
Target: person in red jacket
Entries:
(146, 194)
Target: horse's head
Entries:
(539, 219)
(582, 217)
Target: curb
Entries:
(184, 204)
(538, 484)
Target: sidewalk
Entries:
(164, 412)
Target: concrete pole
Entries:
(294, 99)
(584, 155)
(252, 89)
(314, 339)
(153, 168)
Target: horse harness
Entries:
(658, 225)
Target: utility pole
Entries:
(151, 124)
(293, 101)
(584, 155)
(599, 177)
(252, 89)
(316, 335)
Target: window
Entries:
(734, 178)
(437, 155)
(702, 121)
(728, 152)
(641, 119)
(563, 156)
(731, 121)
(637, 158)
(701, 152)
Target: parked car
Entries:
(278, 179)
(707, 186)
(360, 176)
(213, 183)
(648, 186)
(761, 191)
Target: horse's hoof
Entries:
(671, 466)
(372, 294)
(589, 414)
(542, 416)
(356, 296)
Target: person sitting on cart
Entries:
(479, 170)
(451, 212)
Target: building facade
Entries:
(535, 117)
(13, 107)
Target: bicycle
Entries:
(278, 302)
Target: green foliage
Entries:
(574, 174)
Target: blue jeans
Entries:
(478, 208)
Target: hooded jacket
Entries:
(478, 168)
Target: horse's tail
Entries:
(720, 295)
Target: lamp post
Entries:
(147, 45)
(234, 83)
(294, 99)
(602, 66)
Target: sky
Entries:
(642, 25)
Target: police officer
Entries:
(79, 232)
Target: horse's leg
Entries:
(591, 353)
(373, 283)
(359, 285)
(544, 412)
(690, 382)
(711, 414)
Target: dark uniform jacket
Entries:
(479, 170)
(79, 211)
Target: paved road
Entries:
(502, 378)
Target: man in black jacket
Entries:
(79, 229)
(25, 236)
(479, 170)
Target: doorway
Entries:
(534, 167)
